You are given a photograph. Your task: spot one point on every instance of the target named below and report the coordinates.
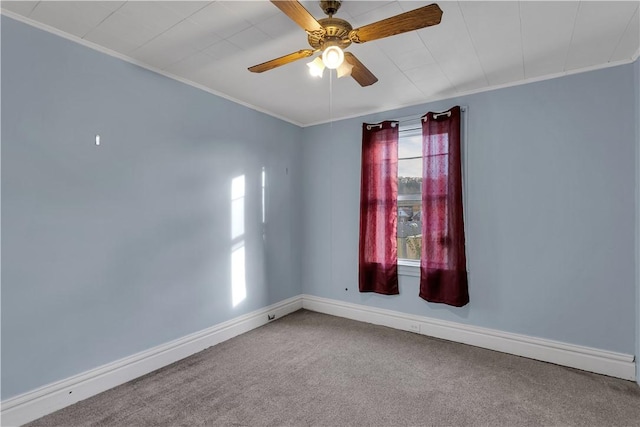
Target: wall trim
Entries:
(590, 359)
(52, 397)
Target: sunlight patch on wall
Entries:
(264, 195)
(238, 281)
(237, 207)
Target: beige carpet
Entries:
(313, 369)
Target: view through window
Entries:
(410, 194)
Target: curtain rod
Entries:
(405, 119)
(446, 113)
(394, 123)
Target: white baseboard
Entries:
(44, 400)
(609, 363)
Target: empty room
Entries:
(327, 213)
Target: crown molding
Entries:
(118, 55)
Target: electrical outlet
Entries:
(414, 327)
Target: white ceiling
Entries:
(478, 45)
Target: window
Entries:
(410, 163)
(409, 195)
(411, 186)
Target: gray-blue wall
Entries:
(111, 250)
(551, 211)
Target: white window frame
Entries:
(409, 267)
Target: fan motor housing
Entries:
(336, 31)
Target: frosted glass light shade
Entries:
(316, 67)
(332, 57)
(344, 69)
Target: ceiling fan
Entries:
(333, 35)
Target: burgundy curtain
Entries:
(378, 261)
(443, 273)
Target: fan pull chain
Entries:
(330, 99)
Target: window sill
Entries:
(409, 268)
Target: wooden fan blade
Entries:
(360, 73)
(283, 60)
(413, 20)
(299, 15)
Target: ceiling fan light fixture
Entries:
(332, 56)
(344, 69)
(316, 67)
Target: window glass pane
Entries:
(409, 195)
(410, 163)
(410, 145)
(409, 229)
(409, 176)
